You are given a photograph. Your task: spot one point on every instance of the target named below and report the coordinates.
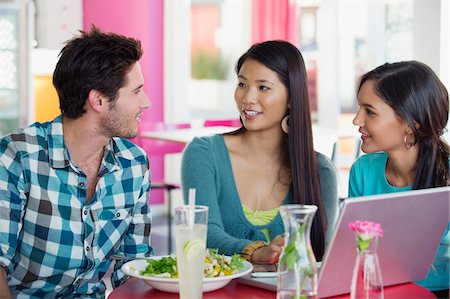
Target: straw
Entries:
(191, 210)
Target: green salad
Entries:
(215, 265)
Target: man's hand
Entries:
(4, 290)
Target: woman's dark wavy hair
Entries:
(287, 62)
(419, 98)
(93, 60)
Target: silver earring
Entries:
(285, 124)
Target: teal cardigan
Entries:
(206, 166)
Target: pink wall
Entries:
(274, 20)
(143, 20)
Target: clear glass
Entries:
(367, 282)
(190, 240)
(297, 272)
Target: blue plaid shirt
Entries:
(52, 243)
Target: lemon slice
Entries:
(193, 248)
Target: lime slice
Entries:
(193, 248)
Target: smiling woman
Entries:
(245, 176)
(404, 109)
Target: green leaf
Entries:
(237, 262)
(363, 244)
(163, 265)
(291, 256)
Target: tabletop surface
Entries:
(323, 139)
(139, 289)
(185, 135)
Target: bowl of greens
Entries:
(160, 272)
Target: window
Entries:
(219, 35)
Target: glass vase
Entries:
(297, 272)
(366, 281)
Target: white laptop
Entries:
(413, 223)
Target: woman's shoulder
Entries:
(324, 163)
(205, 148)
(205, 142)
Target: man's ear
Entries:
(96, 100)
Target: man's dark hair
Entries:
(93, 60)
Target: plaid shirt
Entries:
(52, 243)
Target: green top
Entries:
(368, 177)
(260, 217)
(206, 166)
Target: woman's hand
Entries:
(269, 254)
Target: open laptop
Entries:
(413, 223)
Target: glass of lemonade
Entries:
(190, 240)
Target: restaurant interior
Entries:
(190, 51)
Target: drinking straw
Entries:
(191, 209)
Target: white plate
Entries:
(170, 285)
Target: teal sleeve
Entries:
(328, 188)
(199, 170)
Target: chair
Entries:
(345, 151)
(223, 122)
(156, 150)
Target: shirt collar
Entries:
(59, 156)
(109, 162)
(57, 152)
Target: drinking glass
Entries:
(190, 239)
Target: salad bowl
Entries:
(134, 269)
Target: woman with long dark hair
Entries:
(402, 117)
(245, 176)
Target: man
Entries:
(73, 191)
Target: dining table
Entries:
(323, 139)
(138, 289)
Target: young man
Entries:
(73, 191)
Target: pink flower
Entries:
(366, 229)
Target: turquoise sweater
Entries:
(206, 166)
(368, 177)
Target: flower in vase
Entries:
(365, 232)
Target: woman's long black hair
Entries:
(418, 97)
(287, 62)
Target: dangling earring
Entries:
(408, 145)
(285, 124)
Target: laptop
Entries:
(413, 223)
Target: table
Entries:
(324, 139)
(138, 289)
(185, 135)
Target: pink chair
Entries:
(156, 150)
(223, 122)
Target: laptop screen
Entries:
(413, 223)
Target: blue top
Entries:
(52, 243)
(206, 166)
(368, 177)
